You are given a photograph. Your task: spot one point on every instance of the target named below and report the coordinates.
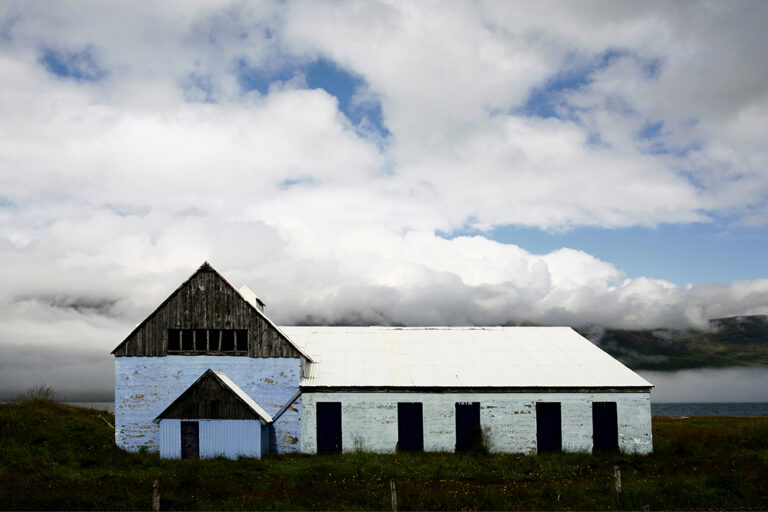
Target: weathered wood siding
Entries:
(209, 399)
(206, 301)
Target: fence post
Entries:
(617, 479)
(394, 495)
(155, 496)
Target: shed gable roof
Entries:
(195, 401)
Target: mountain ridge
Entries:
(730, 341)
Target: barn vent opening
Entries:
(328, 427)
(469, 435)
(174, 340)
(241, 339)
(549, 436)
(208, 341)
(201, 340)
(228, 340)
(410, 427)
(187, 341)
(214, 340)
(605, 426)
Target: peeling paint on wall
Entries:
(369, 420)
(145, 386)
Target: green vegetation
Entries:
(735, 341)
(60, 457)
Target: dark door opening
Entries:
(605, 426)
(328, 427)
(468, 433)
(190, 440)
(410, 427)
(548, 427)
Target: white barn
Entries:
(383, 389)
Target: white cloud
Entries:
(115, 189)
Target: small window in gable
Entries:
(228, 340)
(241, 337)
(201, 340)
(187, 342)
(174, 340)
(208, 341)
(214, 340)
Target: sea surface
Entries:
(709, 409)
(657, 408)
(104, 406)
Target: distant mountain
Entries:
(733, 341)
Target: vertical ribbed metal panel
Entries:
(230, 438)
(170, 439)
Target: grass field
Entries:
(56, 457)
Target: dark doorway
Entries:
(605, 427)
(468, 433)
(548, 427)
(328, 427)
(190, 440)
(410, 427)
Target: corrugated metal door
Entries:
(329, 427)
(605, 428)
(190, 440)
(410, 427)
(468, 433)
(549, 435)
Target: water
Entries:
(720, 385)
(103, 406)
(710, 409)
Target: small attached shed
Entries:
(213, 417)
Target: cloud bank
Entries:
(138, 141)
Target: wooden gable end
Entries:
(207, 301)
(209, 399)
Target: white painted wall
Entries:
(227, 438)
(369, 420)
(145, 386)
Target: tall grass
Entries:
(40, 392)
(55, 457)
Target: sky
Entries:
(399, 163)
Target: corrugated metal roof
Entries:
(457, 357)
(244, 397)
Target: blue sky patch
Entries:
(81, 66)
(199, 88)
(293, 182)
(650, 130)
(651, 68)
(549, 100)
(321, 74)
(681, 254)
